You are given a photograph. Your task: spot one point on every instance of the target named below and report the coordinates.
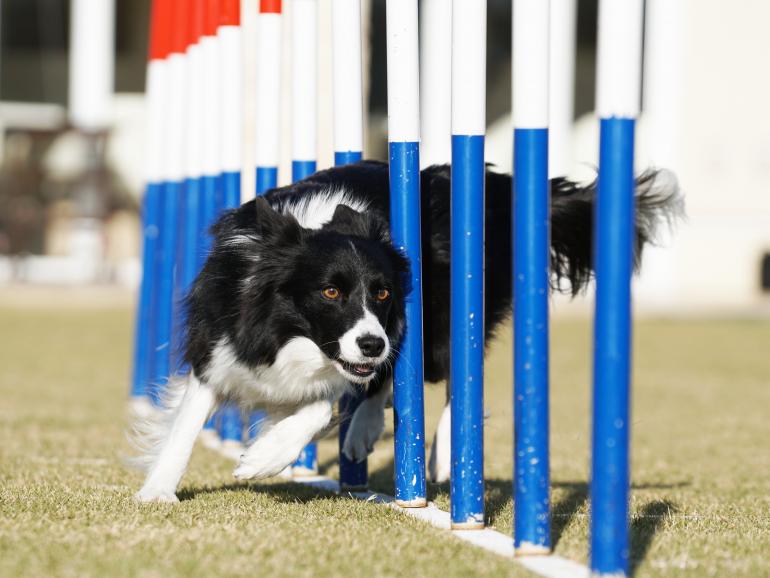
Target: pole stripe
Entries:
(268, 103)
(403, 136)
(619, 58)
(229, 12)
(347, 82)
(304, 75)
(269, 6)
(469, 67)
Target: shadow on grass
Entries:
(645, 525)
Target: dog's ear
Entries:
(351, 222)
(272, 224)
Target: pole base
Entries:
(302, 472)
(468, 525)
(416, 503)
(530, 549)
(353, 489)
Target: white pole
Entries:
(562, 81)
(91, 64)
(347, 76)
(436, 81)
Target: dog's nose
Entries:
(371, 345)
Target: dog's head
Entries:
(342, 286)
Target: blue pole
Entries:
(353, 476)
(165, 272)
(531, 259)
(408, 403)
(144, 330)
(613, 250)
(307, 462)
(302, 169)
(466, 373)
(210, 208)
(230, 421)
(267, 178)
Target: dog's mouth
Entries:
(355, 372)
(358, 369)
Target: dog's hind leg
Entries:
(440, 462)
(172, 441)
(280, 443)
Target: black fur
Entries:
(260, 312)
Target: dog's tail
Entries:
(658, 201)
(149, 430)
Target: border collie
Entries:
(302, 300)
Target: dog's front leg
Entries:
(281, 442)
(367, 425)
(175, 440)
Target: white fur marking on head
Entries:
(314, 211)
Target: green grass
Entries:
(701, 466)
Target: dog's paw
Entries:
(153, 495)
(365, 429)
(261, 463)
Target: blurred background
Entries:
(72, 163)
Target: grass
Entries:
(701, 466)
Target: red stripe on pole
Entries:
(197, 24)
(230, 13)
(180, 26)
(160, 29)
(270, 6)
(211, 18)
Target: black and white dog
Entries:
(302, 300)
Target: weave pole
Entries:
(618, 92)
(230, 159)
(268, 116)
(348, 110)
(173, 176)
(191, 194)
(268, 103)
(531, 256)
(404, 145)
(466, 373)
(304, 99)
(157, 90)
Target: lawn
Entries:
(701, 465)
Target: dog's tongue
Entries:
(362, 369)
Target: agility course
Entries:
(194, 173)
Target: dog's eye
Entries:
(383, 295)
(331, 292)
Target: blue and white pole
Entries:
(174, 168)
(231, 101)
(190, 200)
(268, 101)
(304, 143)
(466, 374)
(230, 421)
(531, 276)
(211, 122)
(435, 82)
(157, 89)
(348, 107)
(268, 116)
(211, 194)
(618, 93)
(404, 145)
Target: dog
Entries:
(301, 300)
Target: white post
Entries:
(562, 82)
(91, 63)
(435, 82)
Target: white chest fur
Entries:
(300, 374)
